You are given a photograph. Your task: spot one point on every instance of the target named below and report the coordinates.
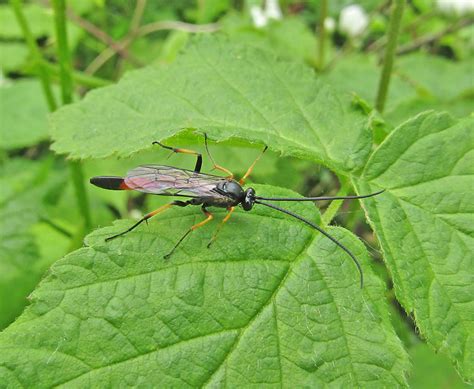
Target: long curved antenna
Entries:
(316, 227)
(319, 198)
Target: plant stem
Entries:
(56, 227)
(79, 77)
(102, 36)
(81, 194)
(65, 67)
(333, 208)
(121, 46)
(65, 75)
(322, 33)
(178, 26)
(427, 39)
(394, 28)
(35, 53)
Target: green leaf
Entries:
(438, 80)
(26, 186)
(172, 45)
(290, 38)
(13, 56)
(28, 126)
(413, 89)
(432, 371)
(40, 21)
(227, 90)
(459, 108)
(424, 224)
(18, 252)
(285, 310)
(208, 11)
(38, 17)
(360, 74)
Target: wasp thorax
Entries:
(231, 188)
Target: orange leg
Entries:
(198, 166)
(195, 227)
(250, 169)
(227, 217)
(149, 215)
(230, 175)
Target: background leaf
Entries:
(26, 187)
(40, 20)
(28, 126)
(413, 89)
(12, 55)
(224, 89)
(437, 81)
(290, 38)
(432, 370)
(424, 224)
(118, 312)
(360, 74)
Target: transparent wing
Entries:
(171, 181)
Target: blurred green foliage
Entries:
(39, 218)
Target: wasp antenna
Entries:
(316, 227)
(328, 198)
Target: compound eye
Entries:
(249, 200)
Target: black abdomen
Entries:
(109, 182)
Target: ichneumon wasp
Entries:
(206, 190)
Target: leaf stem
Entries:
(394, 28)
(65, 67)
(427, 39)
(102, 36)
(82, 199)
(56, 226)
(333, 208)
(79, 77)
(178, 26)
(65, 75)
(322, 34)
(35, 53)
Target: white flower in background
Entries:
(258, 16)
(458, 7)
(272, 10)
(261, 16)
(5, 81)
(329, 24)
(353, 20)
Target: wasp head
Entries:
(249, 199)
